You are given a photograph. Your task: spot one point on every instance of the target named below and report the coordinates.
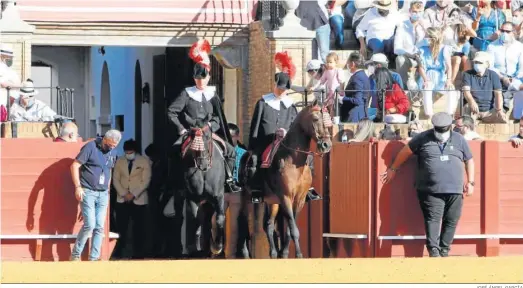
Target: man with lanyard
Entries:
(91, 174)
(439, 180)
(197, 103)
(272, 118)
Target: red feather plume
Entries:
(284, 63)
(200, 51)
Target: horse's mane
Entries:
(299, 117)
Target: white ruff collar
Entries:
(196, 94)
(274, 101)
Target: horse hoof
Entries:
(216, 251)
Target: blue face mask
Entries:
(505, 38)
(415, 16)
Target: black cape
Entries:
(184, 110)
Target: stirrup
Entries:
(256, 196)
(312, 195)
(232, 187)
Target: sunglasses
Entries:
(505, 31)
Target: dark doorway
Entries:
(159, 103)
(138, 105)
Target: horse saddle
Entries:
(269, 152)
(186, 144)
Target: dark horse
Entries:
(203, 168)
(287, 180)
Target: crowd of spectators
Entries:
(468, 51)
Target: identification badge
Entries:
(444, 157)
(102, 179)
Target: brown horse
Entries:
(287, 180)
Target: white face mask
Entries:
(480, 68)
(130, 156)
(371, 69)
(442, 137)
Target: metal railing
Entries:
(63, 105)
(271, 13)
(412, 96)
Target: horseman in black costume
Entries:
(272, 118)
(197, 103)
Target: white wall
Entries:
(69, 71)
(121, 63)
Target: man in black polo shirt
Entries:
(482, 91)
(439, 179)
(91, 173)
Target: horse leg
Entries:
(219, 207)
(285, 237)
(269, 229)
(243, 226)
(193, 227)
(291, 222)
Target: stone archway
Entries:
(105, 101)
(138, 105)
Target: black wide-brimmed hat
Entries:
(200, 71)
(282, 80)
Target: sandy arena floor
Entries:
(456, 270)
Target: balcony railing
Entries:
(62, 101)
(271, 13)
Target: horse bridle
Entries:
(198, 145)
(327, 123)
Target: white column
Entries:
(11, 21)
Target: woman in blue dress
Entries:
(435, 71)
(488, 18)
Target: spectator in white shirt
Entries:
(507, 60)
(409, 35)
(376, 29)
(28, 108)
(8, 76)
(315, 70)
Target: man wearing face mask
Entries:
(443, 155)
(507, 60)
(132, 175)
(376, 29)
(91, 175)
(482, 92)
(8, 76)
(28, 108)
(409, 35)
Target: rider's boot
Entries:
(229, 180)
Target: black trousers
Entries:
(441, 213)
(136, 213)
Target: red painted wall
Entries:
(168, 11)
(495, 208)
(38, 197)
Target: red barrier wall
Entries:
(38, 198)
(355, 188)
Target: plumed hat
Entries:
(283, 62)
(199, 53)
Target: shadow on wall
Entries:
(59, 210)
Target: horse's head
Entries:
(201, 146)
(315, 123)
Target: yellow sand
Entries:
(453, 269)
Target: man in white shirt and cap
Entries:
(28, 108)
(8, 77)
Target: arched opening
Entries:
(105, 101)
(138, 105)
